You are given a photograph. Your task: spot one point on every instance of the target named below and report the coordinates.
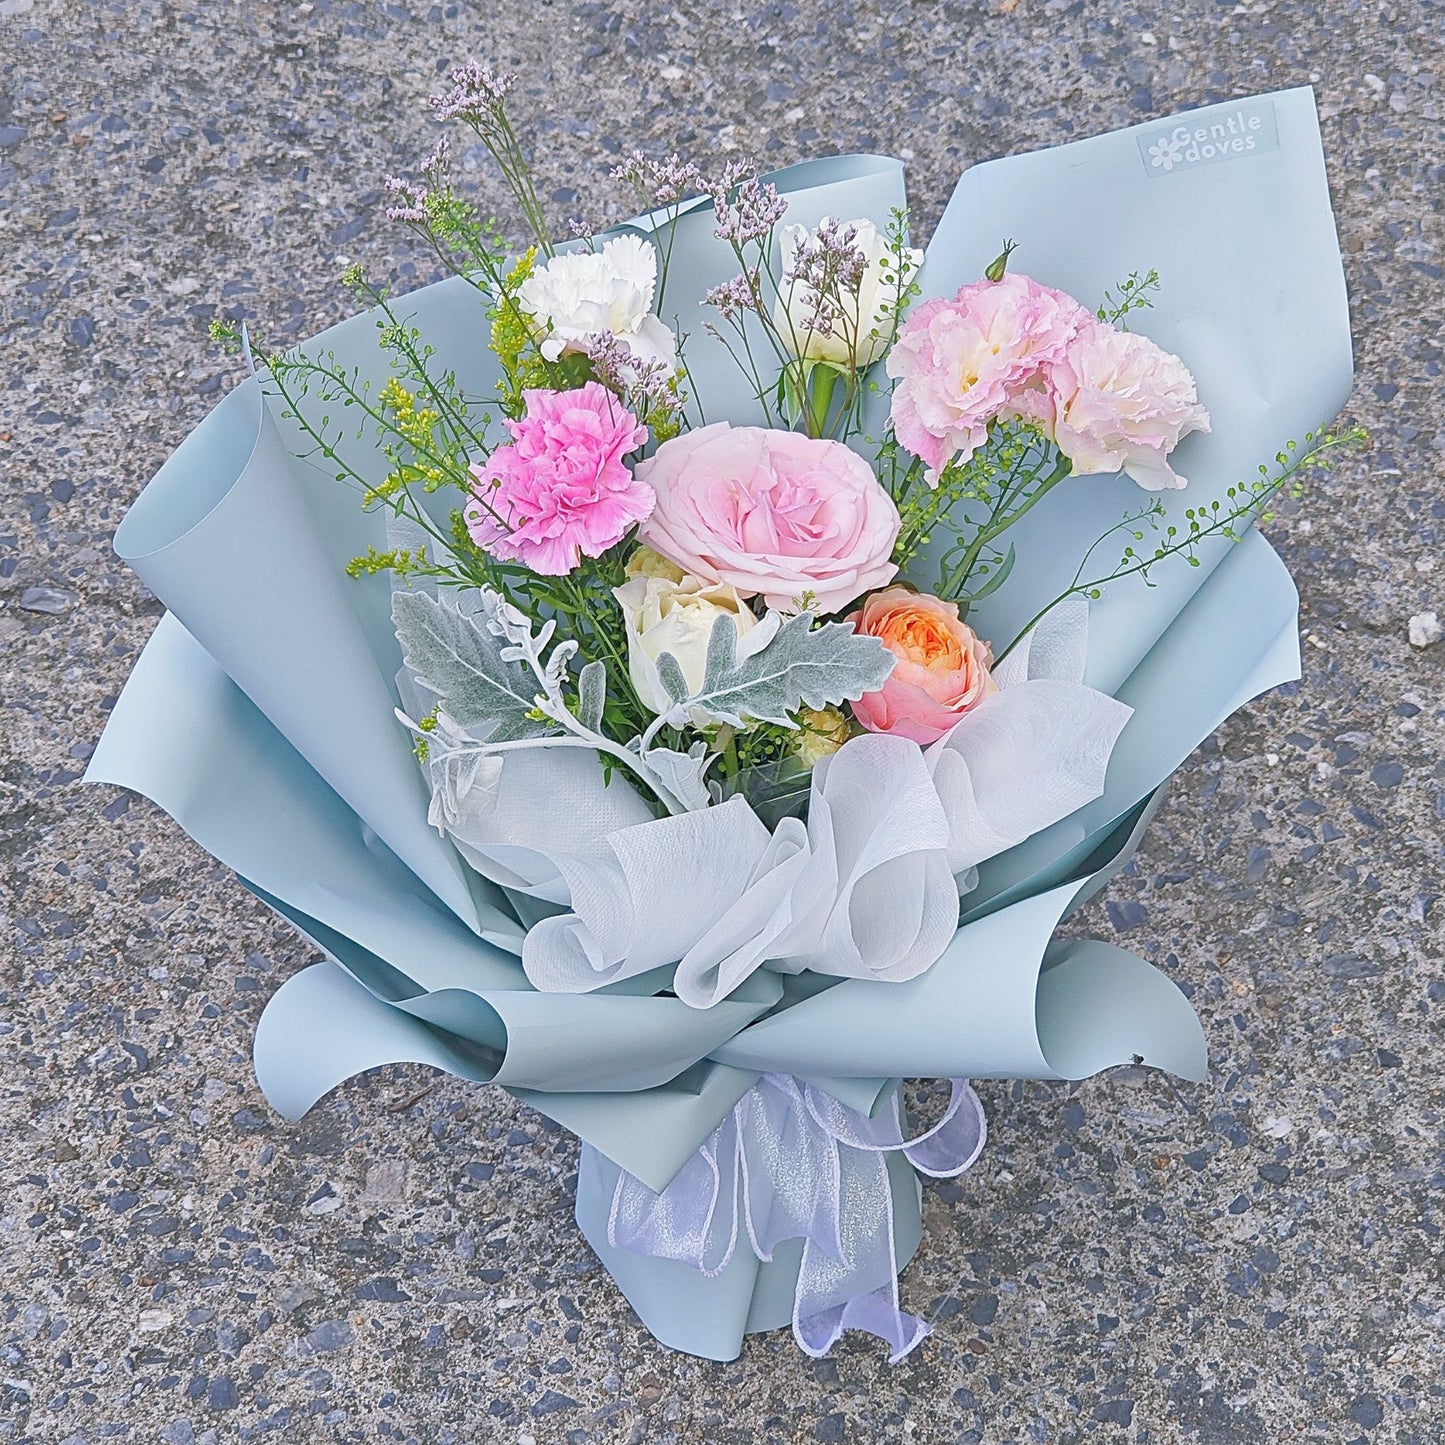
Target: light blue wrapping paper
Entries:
(279, 753)
(1252, 297)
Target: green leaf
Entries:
(802, 666)
(450, 650)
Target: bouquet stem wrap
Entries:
(793, 1180)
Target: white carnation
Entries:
(607, 292)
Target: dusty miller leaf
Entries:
(450, 650)
(591, 696)
(680, 773)
(669, 674)
(803, 666)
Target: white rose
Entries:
(677, 617)
(606, 292)
(861, 335)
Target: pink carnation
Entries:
(961, 363)
(560, 491)
(774, 513)
(1121, 403)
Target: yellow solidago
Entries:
(398, 560)
(415, 427)
(396, 398)
(414, 424)
(512, 340)
(664, 415)
(427, 724)
(663, 423)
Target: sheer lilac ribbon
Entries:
(805, 1167)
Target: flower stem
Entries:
(821, 386)
(1000, 523)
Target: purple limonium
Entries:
(438, 163)
(843, 286)
(410, 203)
(753, 210)
(618, 367)
(829, 260)
(824, 272)
(732, 297)
(476, 94)
(664, 182)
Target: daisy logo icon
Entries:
(1164, 153)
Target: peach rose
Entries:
(941, 672)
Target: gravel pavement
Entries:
(1254, 1260)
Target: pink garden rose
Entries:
(942, 670)
(1118, 402)
(560, 490)
(960, 363)
(772, 513)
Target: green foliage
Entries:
(583, 603)
(425, 432)
(401, 561)
(1228, 520)
(226, 334)
(1134, 293)
(512, 339)
(765, 744)
(974, 502)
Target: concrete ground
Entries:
(1254, 1260)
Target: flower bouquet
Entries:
(752, 640)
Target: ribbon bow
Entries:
(791, 1162)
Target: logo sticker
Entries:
(1222, 134)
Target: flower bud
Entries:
(995, 268)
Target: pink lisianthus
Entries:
(560, 491)
(796, 519)
(960, 363)
(1118, 402)
(942, 670)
